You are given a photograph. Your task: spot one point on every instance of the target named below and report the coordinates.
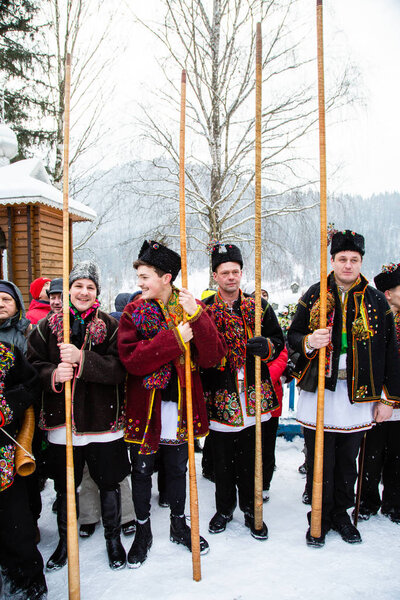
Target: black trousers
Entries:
(269, 430)
(233, 459)
(339, 474)
(107, 462)
(20, 560)
(382, 460)
(174, 460)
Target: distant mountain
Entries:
(135, 204)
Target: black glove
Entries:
(258, 346)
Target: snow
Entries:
(239, 567)
(27, 181)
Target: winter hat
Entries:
(250, 287)
(56, 286)
(155, 254)
(222, 253)
(389, 277)
(121, 300)
(86, 270)
(347, 240)
(37, 286)
(7, 288)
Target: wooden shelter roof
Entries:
(27, 182)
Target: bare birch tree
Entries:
(73, 27)
(214, 40)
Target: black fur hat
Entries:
(155, 254)
(347, 240)
(389, 277)
(222, 253)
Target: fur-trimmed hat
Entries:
(222, 253)
(86, 270)
(56, 286)
(389, 277)
(155, 254)
(347, 240)
(37, 285)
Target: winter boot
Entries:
(110, 501)
(258, 534)
(180, 534)
(141, 545)
(219, 522)
(59, 557)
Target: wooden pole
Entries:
(194, 503)
(258, 467)
(72, 530)
(316, 508)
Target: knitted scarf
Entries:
(232, 326)
(150, 317)
(96, 329)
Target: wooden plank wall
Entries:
(46, 244)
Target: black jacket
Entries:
(98, 404)
(220, 383)
(21, 388)
(372, 360)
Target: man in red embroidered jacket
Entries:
(152, 338)
(230, 389)
(361, 380)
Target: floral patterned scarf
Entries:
(232, 326)
(95, 328)
(7, 451)
(150, 317)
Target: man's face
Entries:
(347, 267)
(8, 307)
(228, 277)
(393, 297)
(56, 302)
(43, 294)
(83, 293)
(152, 285)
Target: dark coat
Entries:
(21, 387)
(97, 386)
(142, 357)
(373, 363)
(15, 329)
(221, 386)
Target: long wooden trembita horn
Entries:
(258, 474)
(24, 463)
(316, 508)
(72, 529)
(194, 503)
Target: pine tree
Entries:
(24, 95)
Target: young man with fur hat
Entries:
(152, 338)
(230, 388)
(90, 361)
(361, 381)
(382, 449)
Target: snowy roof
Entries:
(27, 181)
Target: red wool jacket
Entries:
(142, 357)
(38, 309)
(276, 369)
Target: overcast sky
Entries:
(365, 141)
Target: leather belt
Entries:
(342, 374)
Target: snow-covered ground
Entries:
(237, 566)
